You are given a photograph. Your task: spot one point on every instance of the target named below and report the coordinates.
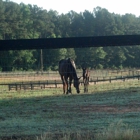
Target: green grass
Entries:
(36, 113)
(115, 131)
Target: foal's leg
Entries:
(86, 85)
(84, 88)
(84, 82)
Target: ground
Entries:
(33, 113)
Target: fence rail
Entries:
(77, 42)
(58, 83)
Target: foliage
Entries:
(21, 21)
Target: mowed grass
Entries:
(33, 113)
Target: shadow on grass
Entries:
(37, 113)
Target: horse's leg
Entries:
(70, 81)
(64, 84)
(64, 88)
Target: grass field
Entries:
(33, 113)
(51, 79)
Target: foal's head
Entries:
(86, 74)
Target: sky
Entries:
(64, 6)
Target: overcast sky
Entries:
(64, 6)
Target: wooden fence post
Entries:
(133, 74)
(9, 87)
(16, 87)
(32, 86)
(55, 84)
(124, 79)
(110, 79)
(44, 85)
(20, 86)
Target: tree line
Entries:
(21, 21)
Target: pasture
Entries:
(51, 79)
(35, 112)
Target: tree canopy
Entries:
(21, 21)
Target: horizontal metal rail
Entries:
(71, 42)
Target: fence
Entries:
(76, 42)
(45, 80)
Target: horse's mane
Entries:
(72, 62)
(67, 66)
(73, 66)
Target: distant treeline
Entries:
(21, 21)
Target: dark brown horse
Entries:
(67, 70)
(86, 74)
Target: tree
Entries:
(20, 21)
(62, 26)
(52, 57)
(2, 20)
(22, 60)
(104, 22)
(97, 56)
(76, 24)
(89, 23)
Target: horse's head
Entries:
(76, 84)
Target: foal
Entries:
(86, 74)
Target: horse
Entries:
(67, 70)
(86, 74)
